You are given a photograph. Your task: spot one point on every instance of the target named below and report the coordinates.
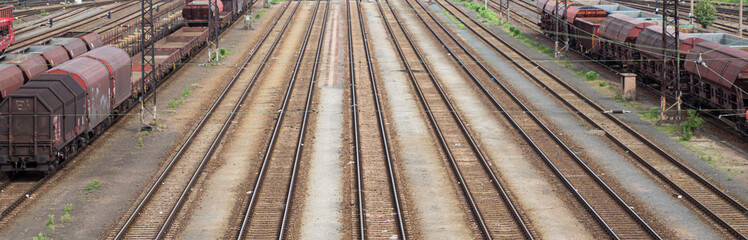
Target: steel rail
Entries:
(354, 114)
(197, 128)
(628, 129)
(382, 129)
(489, 171)
(310, 95)
(571, 153)
(276, 129)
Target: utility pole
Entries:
(148, 66)
(559, 20)
(740, 19)
(670, 85)
(213, 30)
(555, 42)
(690, 14)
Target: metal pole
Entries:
(556, 19)
(565, 48)
(690, 14)
(740, 19)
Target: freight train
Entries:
(713, 76)
(62, 109)
(7, 36)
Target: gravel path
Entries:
(323, 207)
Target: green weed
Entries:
(41, 236)
(51, 222)
(618, 98)
(92, 186)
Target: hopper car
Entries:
(712, 75)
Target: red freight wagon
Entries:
(6, 27)
(196, 12)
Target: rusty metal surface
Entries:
(729, 63)
(11, 78)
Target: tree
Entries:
(705, 13)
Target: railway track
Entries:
(380, 213)
(172, 187)
(11, 189)
(613, 214)
(268, 209)
(495, 213)
(725, 211)
(61, 28)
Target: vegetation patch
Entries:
(179, 100)
(259, 15)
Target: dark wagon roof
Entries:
(11, 78)
(30, 63)
(622, 28)
(115, 58)
(74, 46)
(729, 63)
(54, 55)
(650, 42)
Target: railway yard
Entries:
(370, 119)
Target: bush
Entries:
(693, 123)
(591, 75)
(705, 13)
